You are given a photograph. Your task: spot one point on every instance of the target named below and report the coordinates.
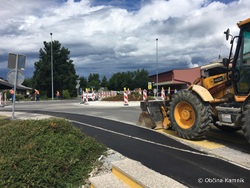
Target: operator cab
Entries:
(241, 60)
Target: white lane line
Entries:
(141, 139)
(158, 144)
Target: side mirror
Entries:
(225, 62)
(227, 33)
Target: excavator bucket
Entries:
(166, 122)
(153, 115)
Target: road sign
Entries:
(11, 77)
(77, 86)
(149, 85)
(12, 61)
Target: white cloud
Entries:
(109, 38)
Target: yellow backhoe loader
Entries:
(220, 96)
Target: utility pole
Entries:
(157, 67)
(52, 79)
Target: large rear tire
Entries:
(190, 117)
(246, 122)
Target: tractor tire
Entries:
(190, 117)
(246, 122)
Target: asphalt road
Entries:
(156, 151)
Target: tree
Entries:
(27, 82)
(141, 79)
(94, 81)
(120, 80)
(104, 82)
(131, 80)
(64, 74)
(83, 82)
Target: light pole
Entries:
(52, 79)
(157, 67)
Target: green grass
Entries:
(45, 153)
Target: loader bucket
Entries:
(151, 116)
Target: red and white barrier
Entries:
(140, 91)
(128, 91)
(83, 100)
(125, 98)
(93, 96)
(1, 99)
(144, 95)
(87, 98)
(163, 94)
(168, 90)
(5, 99)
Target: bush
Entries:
(19, 97)
(45, 153)
(66, 94)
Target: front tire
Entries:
(190, 117)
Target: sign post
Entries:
(15, 61)
(77, 87)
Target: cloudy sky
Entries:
(110, 36)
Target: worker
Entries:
(37, 95)
(57, 94)
(12, 94)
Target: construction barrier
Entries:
(125, 98)
(83, 100)
(1, 104)
(93, 96)
(144, 95)
(5, 99)
(140, 91)
(163, 94)
(87, 98)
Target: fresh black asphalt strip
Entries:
(160, 153)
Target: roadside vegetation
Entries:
(45, 153)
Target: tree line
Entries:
(118, 81)
(64, 74)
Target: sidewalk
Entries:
(24, 115)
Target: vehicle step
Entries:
(134, 174)
(106, 181)
(129, 173)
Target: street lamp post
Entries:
(157, 67)
(52, 79)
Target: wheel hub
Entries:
(186, 115)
